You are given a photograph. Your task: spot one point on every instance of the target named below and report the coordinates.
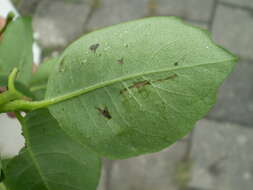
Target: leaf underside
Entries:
(51, 159)
(16, 49)
(144, 85)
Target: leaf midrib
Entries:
(124, 78)
(27, 105)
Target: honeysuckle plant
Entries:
(126, 90)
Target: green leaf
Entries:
(40, 77)
(16, 49)
(51, 160)
(137, 87)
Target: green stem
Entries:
(12, 93)
(23, 105)
(11, 83)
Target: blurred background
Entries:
(218, 154)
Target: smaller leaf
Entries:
(51, 160)
(16, 49)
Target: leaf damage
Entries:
(104, 112)
(141, 84)
(94, 47)
(120, 61)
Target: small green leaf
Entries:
(51, 160)
(16, 49)
(137, 87)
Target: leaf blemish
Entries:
(104, 112)
(120, 61)
(140, 84)
(176, 64)
(94, 47)
(167, 78)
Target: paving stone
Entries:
(109, 12)
(154, 171)
(223, 156)
(233, 28)
(11, 140)
(60, 22)
(248, 3)
(235, 98)
(189, 9)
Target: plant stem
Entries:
(12, 93)
(6, 97)
(11, 83)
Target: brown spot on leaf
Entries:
(146, 82)
(136, 85)
(120, 61)
(166, 78)
(94, 47)
(105, 112)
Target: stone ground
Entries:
(218, 155)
